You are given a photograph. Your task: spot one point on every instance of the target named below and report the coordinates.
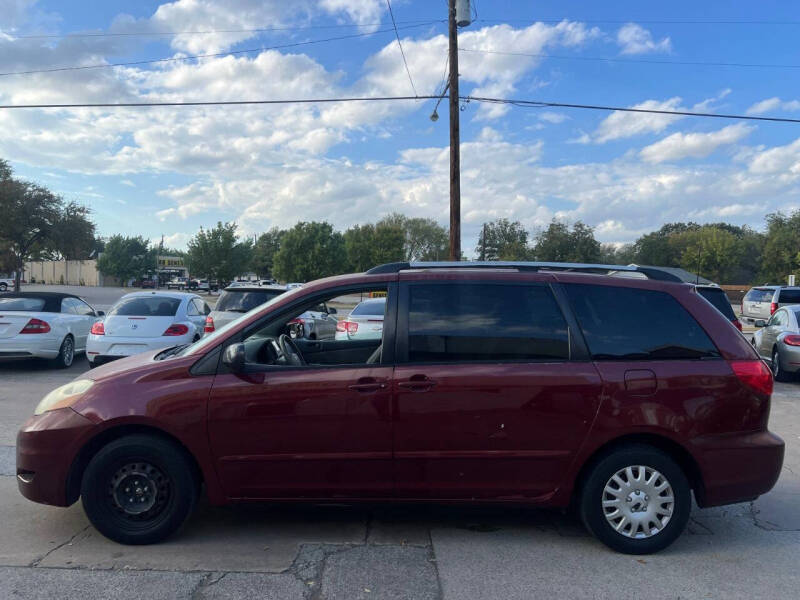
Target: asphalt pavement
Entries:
(393, 552)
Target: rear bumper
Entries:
(46, 447)
(102, 349)
(790, 358)
(29, 346)
(737, 468)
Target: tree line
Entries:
(40, 225)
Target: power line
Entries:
(399, 43)
(635, 60)
(214, 55)
(646, 21)
(509, 101)
(201, 32)
(683, 113)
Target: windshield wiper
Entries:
(171, 351)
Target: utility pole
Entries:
(455, 138)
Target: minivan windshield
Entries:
(245, 300)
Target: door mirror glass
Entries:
(331, 310)
(234, 357)
(760, 323)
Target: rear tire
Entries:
(3, 287)
(777, 373)
(139, 489)
(636, 500)
(66, 354)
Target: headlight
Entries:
(64, 396)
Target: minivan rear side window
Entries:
(635, 324)
(789, 297)
(485, 322)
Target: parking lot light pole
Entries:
(455, 141)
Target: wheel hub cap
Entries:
(137, 488)
(638, 502)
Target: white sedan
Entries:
(145, 321)
(365, 322)
(44, 325)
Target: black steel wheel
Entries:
(139, 489)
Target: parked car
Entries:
(760, 302)
(6, 283)
(318, 323)
(44, 325)
(778, 341)
(177, 283)
(719, 299)
(291, 286)
(144, 321)
(268, 282)
(365, 321)
(520, 382)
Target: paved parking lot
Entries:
(742, 551)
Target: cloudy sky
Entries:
(167, 171)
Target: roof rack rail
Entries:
(657, 273)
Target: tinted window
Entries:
(83, 309)
(468, 322)
(719, 299)
(374, 308)
(633, 324)
(243, 301)
(790, 296)
(149, 306)
(21, 304)
(759, 295)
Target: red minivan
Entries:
(538, 384)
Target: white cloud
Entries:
(621, 124)
(635, 39)
(773, 104)
(695, 145)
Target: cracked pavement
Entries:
(392, 552)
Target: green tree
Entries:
(310, 251)
(369, 245)
(126, 258)
(73, 236)
(503, 240)
(218, 254)
(264, 251)
(425, 239)
(612, 254)
(781, 256)
(658, 248)
(559, 243)
(30, 214)
(710, 251)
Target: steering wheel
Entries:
(291, 351)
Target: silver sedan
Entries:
(778, 341)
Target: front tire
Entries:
(3, 287)
(139, 489)
(636, 500)
(66, 354)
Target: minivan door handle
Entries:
(366, 385)
(417, 383)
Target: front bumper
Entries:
(46, 447)
(739, 467)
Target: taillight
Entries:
(209, 326)
(792, 340)
(351, 327)
(340, 326)
(754, 374)
(176, 329)
(98, 328)
(773, 307)
(36, 326)
(738, 324)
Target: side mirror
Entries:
(234, 357)
(331, 310)
(100, 313)
(760, 323)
